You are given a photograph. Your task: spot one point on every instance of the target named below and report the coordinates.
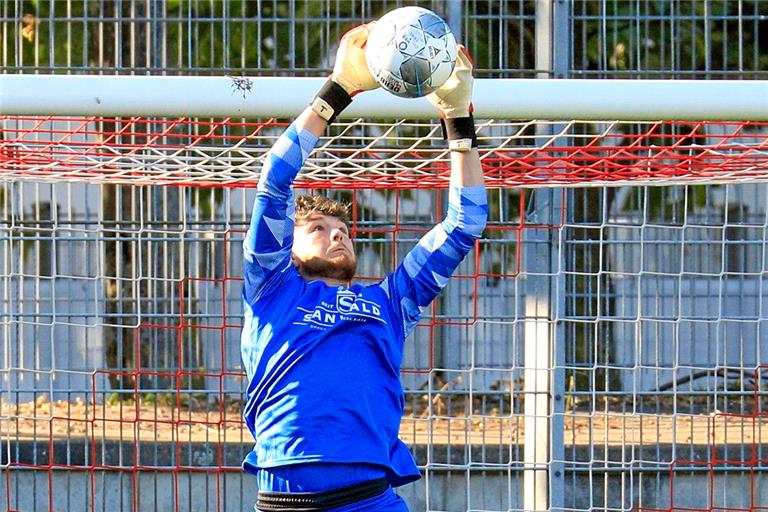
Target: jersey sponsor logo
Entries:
(349, 303)
(349, 306)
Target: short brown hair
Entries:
(306, 205)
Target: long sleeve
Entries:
(427, 268)
(267, 245)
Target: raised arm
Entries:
(425, 270)
(269, 240)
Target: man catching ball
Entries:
(323, 355)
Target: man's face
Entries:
(322, 248)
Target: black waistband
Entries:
(310, 501)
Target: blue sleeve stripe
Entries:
(284, 161)
(467, 210)
(288, 149)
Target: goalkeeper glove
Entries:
(350, 70)
(453, 101)
(350, 75)
(454, 97)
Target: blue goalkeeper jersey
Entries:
(323, 362)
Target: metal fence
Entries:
(648, 302)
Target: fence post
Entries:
(544, 388)
(453, 15)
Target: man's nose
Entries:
(336, 235)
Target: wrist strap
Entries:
(457, 128)
(460, 145)
(330, 100)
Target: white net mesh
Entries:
(363, 154)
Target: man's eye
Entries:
(317, 228)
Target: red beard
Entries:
(342, 268)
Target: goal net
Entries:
(368, 155)
(602, 347)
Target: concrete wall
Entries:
(448, 491)
(199, 483)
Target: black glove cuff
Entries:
(332, 97)
(456, 128)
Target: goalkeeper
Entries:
(323, 355)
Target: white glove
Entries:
(454, 97)
(350, 70)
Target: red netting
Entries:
(735, 459)
(369, 155)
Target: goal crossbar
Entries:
(260, 97)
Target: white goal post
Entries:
(562, 99)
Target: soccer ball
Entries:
(410, 51)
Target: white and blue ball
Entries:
(411, 51)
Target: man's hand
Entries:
(350, 70)
(454, 98)
(350, 76)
